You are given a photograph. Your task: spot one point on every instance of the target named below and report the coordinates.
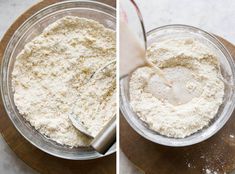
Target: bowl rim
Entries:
(170, 143)
(4, 98)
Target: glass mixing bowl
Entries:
(32, 27)
(228, 73)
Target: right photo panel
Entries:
(176, 85)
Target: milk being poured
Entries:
(167, 85)
(132, 52)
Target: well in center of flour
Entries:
(196, 93)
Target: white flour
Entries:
(50, 73)
(196, 93)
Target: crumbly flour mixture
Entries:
(195, 95)
(51, 75)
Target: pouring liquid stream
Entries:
(133, 54)
(164, 84)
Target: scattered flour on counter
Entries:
(210, 172)
(52, 72)
(196, 93)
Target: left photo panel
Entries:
(59, 86)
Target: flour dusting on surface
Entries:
(50, 78)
